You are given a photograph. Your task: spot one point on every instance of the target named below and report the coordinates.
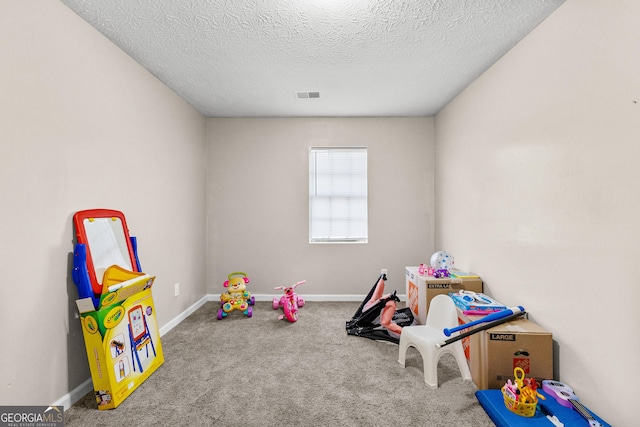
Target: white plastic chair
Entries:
(442, 314)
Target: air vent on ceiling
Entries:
(306, 95)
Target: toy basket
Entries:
(518, 408)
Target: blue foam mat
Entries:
(493, 403)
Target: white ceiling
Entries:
(249, 58)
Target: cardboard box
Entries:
(122, 341)
(494, 353)
(422, 289)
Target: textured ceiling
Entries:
(249, 58)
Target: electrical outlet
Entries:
(383, 271)
(176, 289)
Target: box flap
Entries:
(519, 326)
(85, 305)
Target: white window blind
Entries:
(338, 194)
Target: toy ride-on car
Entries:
(237, 296)
(289, 302)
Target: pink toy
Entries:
(290, 302)
(421, 270)
(425, 270)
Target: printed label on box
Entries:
(439, 286)
(502, 337)
(412, 298)
(521, 362)
(466, 342)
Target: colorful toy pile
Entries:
(521, 396)
(440, 265)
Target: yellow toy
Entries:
(237, 296)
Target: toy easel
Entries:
(139, 334)
(115, 301)
(105, 232)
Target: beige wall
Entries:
(258, 196)
(83, 126)
(537, 190)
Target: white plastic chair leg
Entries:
(402, 354)
(461, 359)
(430, 368)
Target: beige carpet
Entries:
(262, 371)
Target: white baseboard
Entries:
(74, 395)
(79, 392)
(179, 318)
(317, 297)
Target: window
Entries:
(338, 194)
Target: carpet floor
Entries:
(261, 371)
